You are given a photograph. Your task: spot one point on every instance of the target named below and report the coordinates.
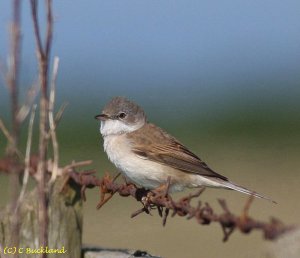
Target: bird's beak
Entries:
(102, 117)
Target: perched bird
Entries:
(148, 156)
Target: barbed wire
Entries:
(161, 201)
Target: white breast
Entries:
(117, 149)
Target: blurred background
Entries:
(221, 76)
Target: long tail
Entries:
(233, 186)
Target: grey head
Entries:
(121, 115)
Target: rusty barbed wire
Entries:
(162, 202)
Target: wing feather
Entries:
(151, 142)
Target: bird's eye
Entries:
(122, 115)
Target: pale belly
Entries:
(146, 173)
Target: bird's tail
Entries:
(233, 186)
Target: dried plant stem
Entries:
(59, 113)
(27, 156)
(76, 164)
(13, 70)
(43, 54)
(6, 132)
(12, 82)
(26, 107)
(10, 140)
(12, 150)
(52, 122)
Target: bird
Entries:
(148, 156)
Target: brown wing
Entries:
(153, 143)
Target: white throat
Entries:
(115, 127)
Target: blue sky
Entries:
(163, 50)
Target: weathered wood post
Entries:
(65, 223)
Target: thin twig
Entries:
(5, 131)
(27, 155)
(26, 107)
(58, 117)
(76, 164)
(12, 150)
(43, 55)
(59, 113)
(52, 122)
(13, 68)
(34, 7)
(10, 139)
(49, 27)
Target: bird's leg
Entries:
(116, 177)
(82, 193)
(167, 186)
(159, 192)
(163, 189)
(126, 180)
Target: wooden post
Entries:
(65, 223)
